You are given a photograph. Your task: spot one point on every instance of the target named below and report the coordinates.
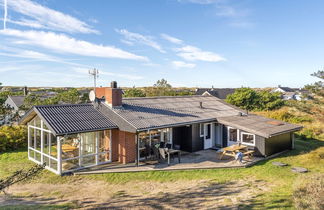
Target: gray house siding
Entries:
(224, 136)
(278, 143)
(259, 146)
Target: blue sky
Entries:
(193, 43)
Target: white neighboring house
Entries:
(289, 93)
(15, 102)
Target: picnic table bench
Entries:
(232, 150)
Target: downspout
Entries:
(137, 149)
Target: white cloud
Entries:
(127, 42)
(5, 6)
(139, 38)
(181, 64)
(65, 44)
(171, 39)
(44, 17)
(192, 53)
(112, 74)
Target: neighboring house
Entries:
(221, 93)
(14, 102)
(291, 93)
(116, 129)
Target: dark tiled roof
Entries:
(221, 93)
(259, 125)
(71, 118)
(18, 100)
(149, 113)
(288, 89)
(200, 91)
(217, 92)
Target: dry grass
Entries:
(309, 192)
(195, 194)
(309, 114)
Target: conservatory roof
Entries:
(70, 118)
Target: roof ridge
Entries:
(62, 105)
(158, 97)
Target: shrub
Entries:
(308, 192)
(134, 92)
(12, 138)
(249, 99)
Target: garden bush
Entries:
(13, 138)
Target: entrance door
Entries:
(207, 135)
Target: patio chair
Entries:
(163, 154)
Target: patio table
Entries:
(68, 148)
(173, 151)
(231, 150)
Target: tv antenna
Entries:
(95, 73)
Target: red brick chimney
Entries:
(113, 94)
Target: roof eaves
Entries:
(177, 124)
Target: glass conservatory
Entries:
(62, 154)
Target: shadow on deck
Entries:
(205, 159)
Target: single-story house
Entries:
(117, 129)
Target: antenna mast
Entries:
(94, 72)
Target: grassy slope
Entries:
(310, 114)
(307, 154)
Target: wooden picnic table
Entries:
(68, 148)
(232, 150)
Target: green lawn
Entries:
(308, 153)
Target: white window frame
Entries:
(241, 140)
(237, 134)
(201, 129)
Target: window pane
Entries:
(87, 161)
(208, 134)
(88, 143)
(53, 164)
(53, 147)
(37, 122)
(70, 146)
(44, 126)
(104, 157)
(201, 129)
(248, 138)
(38, 156)
(233, 134)
(70, 164)
(46, 143)
(31, 137)
(38, 140)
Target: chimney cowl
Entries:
(201, 104)
(113, 84)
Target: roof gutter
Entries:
(291, 130)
